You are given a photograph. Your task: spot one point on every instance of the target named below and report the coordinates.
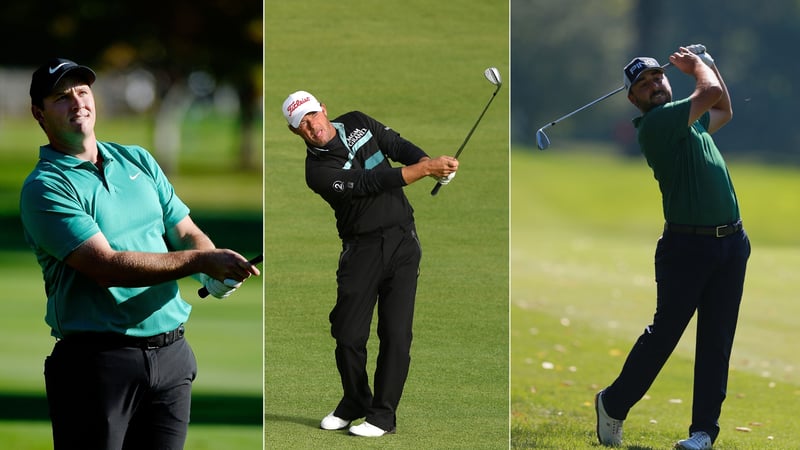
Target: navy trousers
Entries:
(104, 396)
(693, 273)
(383, 269)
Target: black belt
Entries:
(718, 231)
(114, 340)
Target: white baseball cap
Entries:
(297, 105)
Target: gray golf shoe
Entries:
(609, 430)
(699, 440)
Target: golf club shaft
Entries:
(598, 100)
(203, 292)
(566, 116)
(543, 142)
(469, 135)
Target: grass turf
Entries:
(583, 232)
(412, 67)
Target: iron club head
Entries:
(541, 139)
(493, 75)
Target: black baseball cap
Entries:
(637, 67)
(46, 78)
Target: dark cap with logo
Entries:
(637, 67)
(46, 78)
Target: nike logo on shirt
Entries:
(133, 177)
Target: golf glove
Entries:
(704, 55)
(447, 179)
(706, 58)
(219, 289)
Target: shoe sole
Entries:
(597, 414)
(392, 431)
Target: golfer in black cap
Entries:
(700, 259)
(112, 238)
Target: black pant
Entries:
(702, 273)
(382, 269)
(106, 396)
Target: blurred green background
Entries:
(570, 52)
(225, 335)
(162, 84)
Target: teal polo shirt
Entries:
(65, 201)
(695, 185)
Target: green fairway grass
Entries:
(416, 66)
(583, 231)
(226, 335)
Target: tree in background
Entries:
(173, 40)
(567, 53)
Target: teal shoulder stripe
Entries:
(374, 160)
(364, 139)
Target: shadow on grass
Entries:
(240, 232)
(207, 409)
(309, 422)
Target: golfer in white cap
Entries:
(348, 165)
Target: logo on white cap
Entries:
(297, 105)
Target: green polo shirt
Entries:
(65, 201)
(695, 185)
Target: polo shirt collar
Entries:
(65, 161)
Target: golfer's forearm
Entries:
(724, 102)
(707, 84)
(133, 269)
(416, 171)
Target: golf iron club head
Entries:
(541, 139)
(493, 75)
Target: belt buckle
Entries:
(157, 341)
(719, 230)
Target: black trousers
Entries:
(382, 269)
(106, 394)
(693, 273)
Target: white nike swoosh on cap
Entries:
(53, 70)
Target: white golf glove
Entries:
(447, 179)
(706, 58)
(219, 289)
(704, 55)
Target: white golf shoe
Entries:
(367, 429)
(331, 422)
(609, 430)
(699, 440)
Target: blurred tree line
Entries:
(567, 53)
(172, 40)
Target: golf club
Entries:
(542, 141)
(493, 75)
(203, 292)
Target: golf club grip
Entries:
(203, 292)
(436, 188)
